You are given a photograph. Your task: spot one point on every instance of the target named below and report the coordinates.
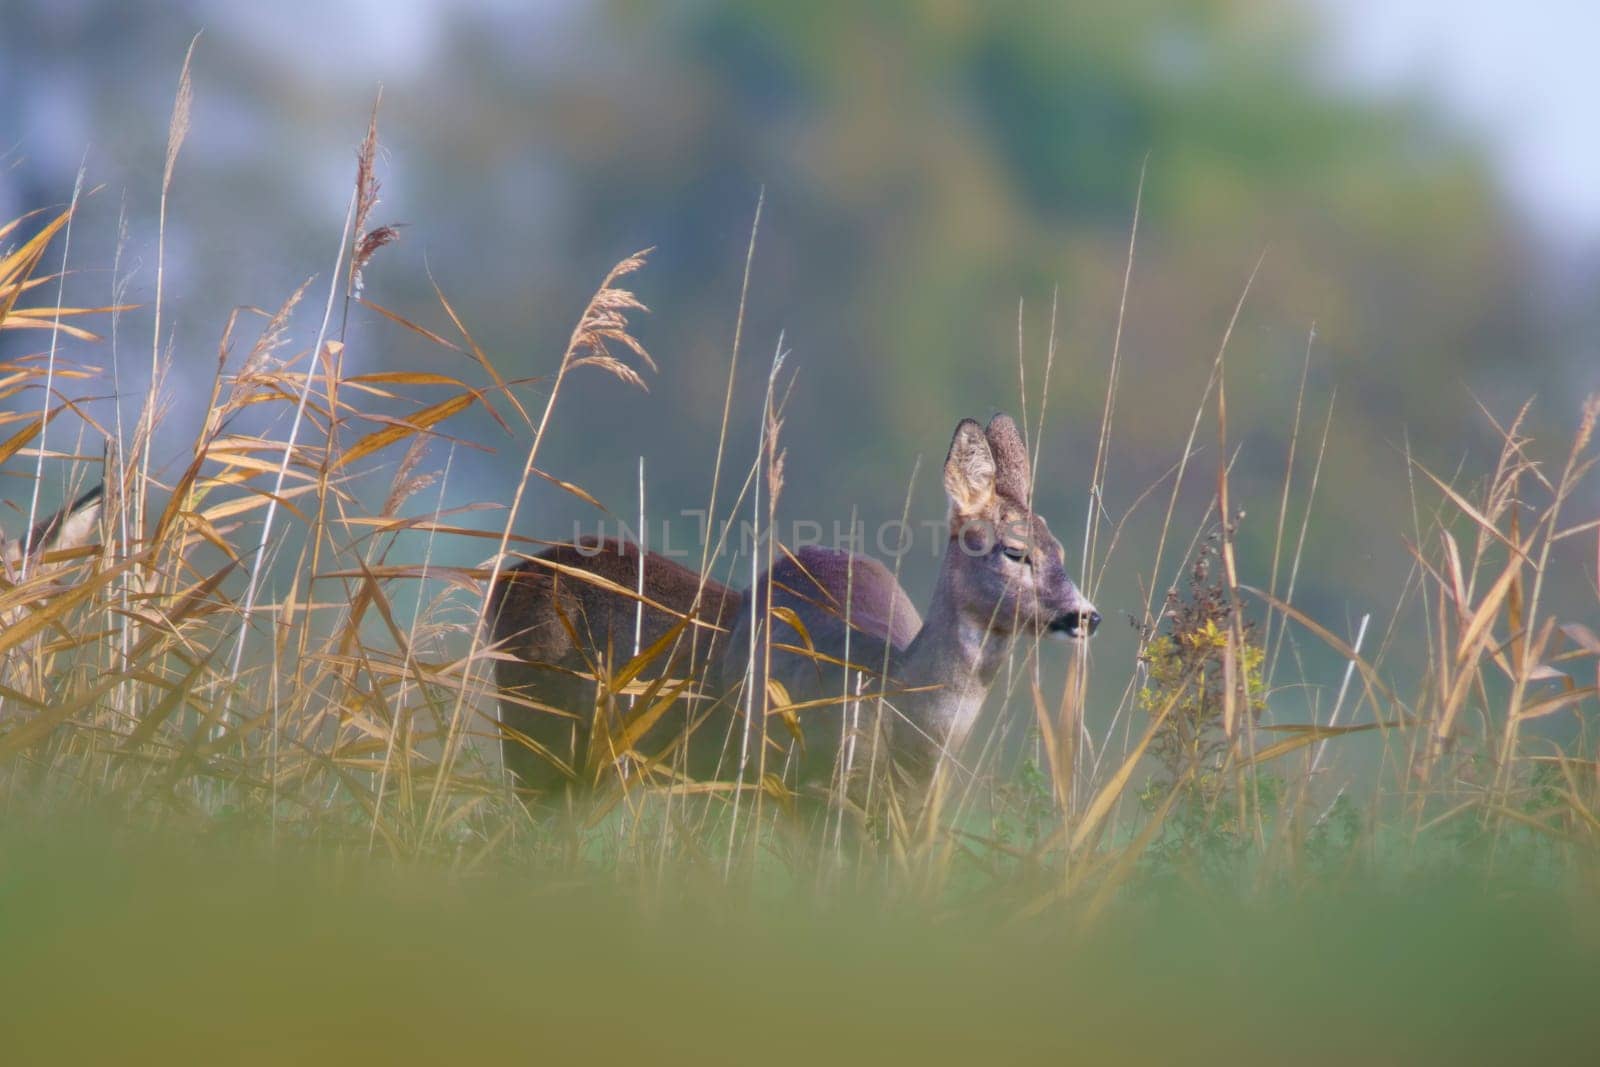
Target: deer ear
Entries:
(1012, 479)
(74, 526)
(969, 470)
(79, 522)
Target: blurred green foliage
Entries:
(135, 948)
(926, 166)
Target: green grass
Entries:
(152, 948)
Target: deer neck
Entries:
(954, 658)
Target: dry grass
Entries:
(250, 642)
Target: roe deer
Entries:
(1003, 575)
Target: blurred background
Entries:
(1418, 180)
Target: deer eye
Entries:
(1015, 553)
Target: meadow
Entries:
(253, 798)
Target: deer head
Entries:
(1011, 576)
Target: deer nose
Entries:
(1080, 623)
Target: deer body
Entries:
(556, 626)
(861, 655)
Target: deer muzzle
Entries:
(1079, 622)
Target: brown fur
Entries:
(536, 610)
(969, 472)
(813, 584)
(1012, 478)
